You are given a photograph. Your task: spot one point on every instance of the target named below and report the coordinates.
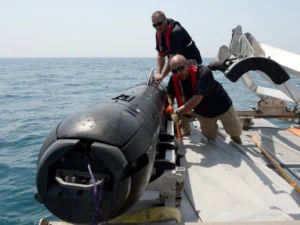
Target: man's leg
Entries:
(232, 124)
(209, 127)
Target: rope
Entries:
(98, 191)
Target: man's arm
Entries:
(187, 107)
(167, 68)
(190, 104)
(161, 62)
(160, 66)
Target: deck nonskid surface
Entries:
(229, 182)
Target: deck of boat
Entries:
(227, 182)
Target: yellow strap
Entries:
(149, 215)
(294, 131)
(276, 164)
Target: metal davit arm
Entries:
(276, 66)
(235, 70)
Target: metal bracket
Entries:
(270, 108)
(169, 185)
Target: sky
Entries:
(123, 28)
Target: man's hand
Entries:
(175, 117)
(158, 76)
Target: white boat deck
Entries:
(227, 182)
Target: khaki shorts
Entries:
(230, 121)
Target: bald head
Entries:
(180, 66)
(158, 15)
(177, 60)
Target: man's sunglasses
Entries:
(179, 69)
(158, 24)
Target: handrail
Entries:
(150, 77)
